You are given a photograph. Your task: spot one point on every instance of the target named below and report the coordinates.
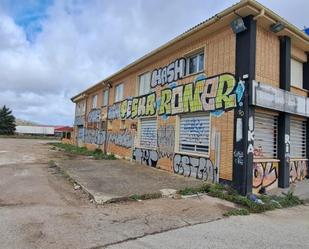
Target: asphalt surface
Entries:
(280, 229)
(40, 209)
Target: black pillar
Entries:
(284, 118)
(244, 114)
(306, 86)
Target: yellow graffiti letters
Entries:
(225, 99)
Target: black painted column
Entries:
(284, 118)
(244, 114)
(306, 86)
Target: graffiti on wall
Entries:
(124, 139)
(94, 116)
(216, 94)
(168, 74)
(94, 136)
(146, 157)
(166, 141)
(80, 134)
(113, 111)
(250, 135)
(79, 120)
(298, 170)
(198, 167)
(138, 106)
(265, 174)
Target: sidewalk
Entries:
(107, 180)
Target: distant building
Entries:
(44, 130)
(226, 101)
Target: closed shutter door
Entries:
(298, 138)
(265, 136)
(148, 137)
(194, 133)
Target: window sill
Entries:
(298, 159)
(193, 74)
(192, 154)
(299, 88)
(265, 160)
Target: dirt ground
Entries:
(40, 209)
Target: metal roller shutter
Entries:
(148, 137)
(298, 138)
(265, 136)
(194, 133)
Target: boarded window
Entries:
(194, 133)
(265, 136)
(148, 133)
(296, 73)
(298, 138)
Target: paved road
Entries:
(287, 228)
(40, 209)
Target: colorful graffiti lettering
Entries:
(138, 107)
(198, 167)
(94, 116)
(265, 174)
(298, 170)
(173, 72)
(216, 94)
(147, 157)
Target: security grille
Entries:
(194, 133)
(148, 135)
(265, 136)
(298, 138)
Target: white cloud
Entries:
(82, 42)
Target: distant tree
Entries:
(7, 121)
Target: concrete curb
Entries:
(101, 198)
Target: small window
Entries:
(105, 98)
(298, 138)
(195, 63)
(144, 83)
(110, 125)
(296, 73)
(148, 133)
(265, 136)
(119, 93)
(194, 133)
(94, 101)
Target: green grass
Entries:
(229, 194)
(96, 154)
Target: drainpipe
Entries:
(106, 123)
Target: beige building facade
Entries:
(225, 101)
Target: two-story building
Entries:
(226, 101)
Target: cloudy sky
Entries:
(52, 49)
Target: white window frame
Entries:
(119, 93)
(197, 55)
(140, 127)
(105, 97)
(144, 83)
(94, 101)
(296, 73)
(179, 144)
